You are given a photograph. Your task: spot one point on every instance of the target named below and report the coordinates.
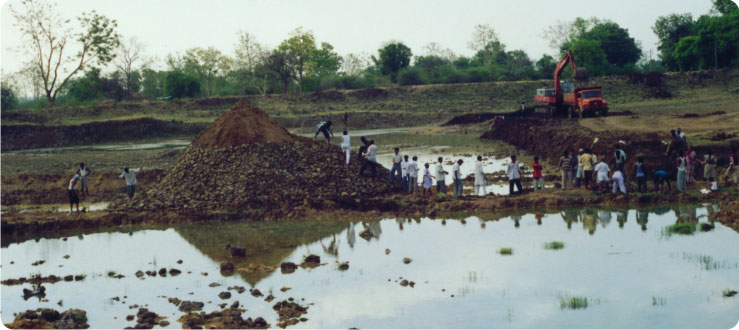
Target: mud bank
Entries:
(18, 225)
(52, 188)
(17, 137)
(549, 138)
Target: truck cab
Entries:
(586, 101)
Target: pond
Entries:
(616, 268)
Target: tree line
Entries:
(301, 64)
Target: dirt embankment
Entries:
(17, 137)
(52, 188)
(549, 138)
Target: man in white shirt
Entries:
(602, 170)
(346, 145)
(457, 178)
(514, 175)
(440, 176)
(395, 171)
(404, 172)
(413, 176)
(480, 181)
(370, 158)
(84, 172)
(130, 176)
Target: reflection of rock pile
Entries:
(729, 215)
(245, 160)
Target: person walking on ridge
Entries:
(130, 176)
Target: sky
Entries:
(170, 26)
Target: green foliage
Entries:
(410, 76)
(86, 88)
(724, 6)
(554, 245)
(506, 251)
(153, 82)
(545, 67)
(393, 57)
(573, 302)
(707, 226)
(589, 54)
(179, 85)
(9, 100)
(669, 30)
(325, 61)
(99, 38)
(682, 228)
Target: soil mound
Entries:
(243, 124)
(246, 162)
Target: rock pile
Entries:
(45, 318)
(246, 161)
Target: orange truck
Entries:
(566, 99)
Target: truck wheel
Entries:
(604, 113)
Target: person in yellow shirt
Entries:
(586, 160)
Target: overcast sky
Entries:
(168, 26)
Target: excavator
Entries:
(566, 99)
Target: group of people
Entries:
(79, 185)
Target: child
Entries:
(602, 171)
(427, 184)
(480, 181)
(413, 176)
(345, 146)
(72, 192)
(538, 177)
(440, 176)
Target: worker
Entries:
(565, 164)
(72, 192)
(84, 172)
(130, 176)
(346, 146)
(514, 176)
(440, 176)
(538, 177)
(661, 177)
(370, 159)
(681, 168)
(640, 173)
(457, 178)
(709, 167)
(586, 160)
(732, 172)
(480, 181)
(395, 171)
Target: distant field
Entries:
(693, 92)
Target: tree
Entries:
(589, 53)
(620, 48)
(129, 55)
(9, 100)
(300, 48)
(49, 39)
(724, 6)
(393, 57)
(325, 61)
(206, 64)
(251, 57)
(279, 62)
(87, 87)
(483, 39)
(179, 84)
(152, 82)
(669, 30)
(545, 67)
(355, 64)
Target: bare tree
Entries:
(130, 53)
(434, 49)
(251, 57)
(50, 39)
(355, 64)
(482, 37)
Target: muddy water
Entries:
(630, 272)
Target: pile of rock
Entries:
(245, 160)
(46, 318)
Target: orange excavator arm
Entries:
(567, 59)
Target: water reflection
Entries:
(598, 262)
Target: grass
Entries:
(681, 228)
(506, 251)
(573, 302)
(728, 293)
(554, 245)
(658, 301)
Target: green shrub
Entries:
(179, 85)
(554, 245)
(573, 302)
(506, 251)
(682, 228)
(410, 76)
